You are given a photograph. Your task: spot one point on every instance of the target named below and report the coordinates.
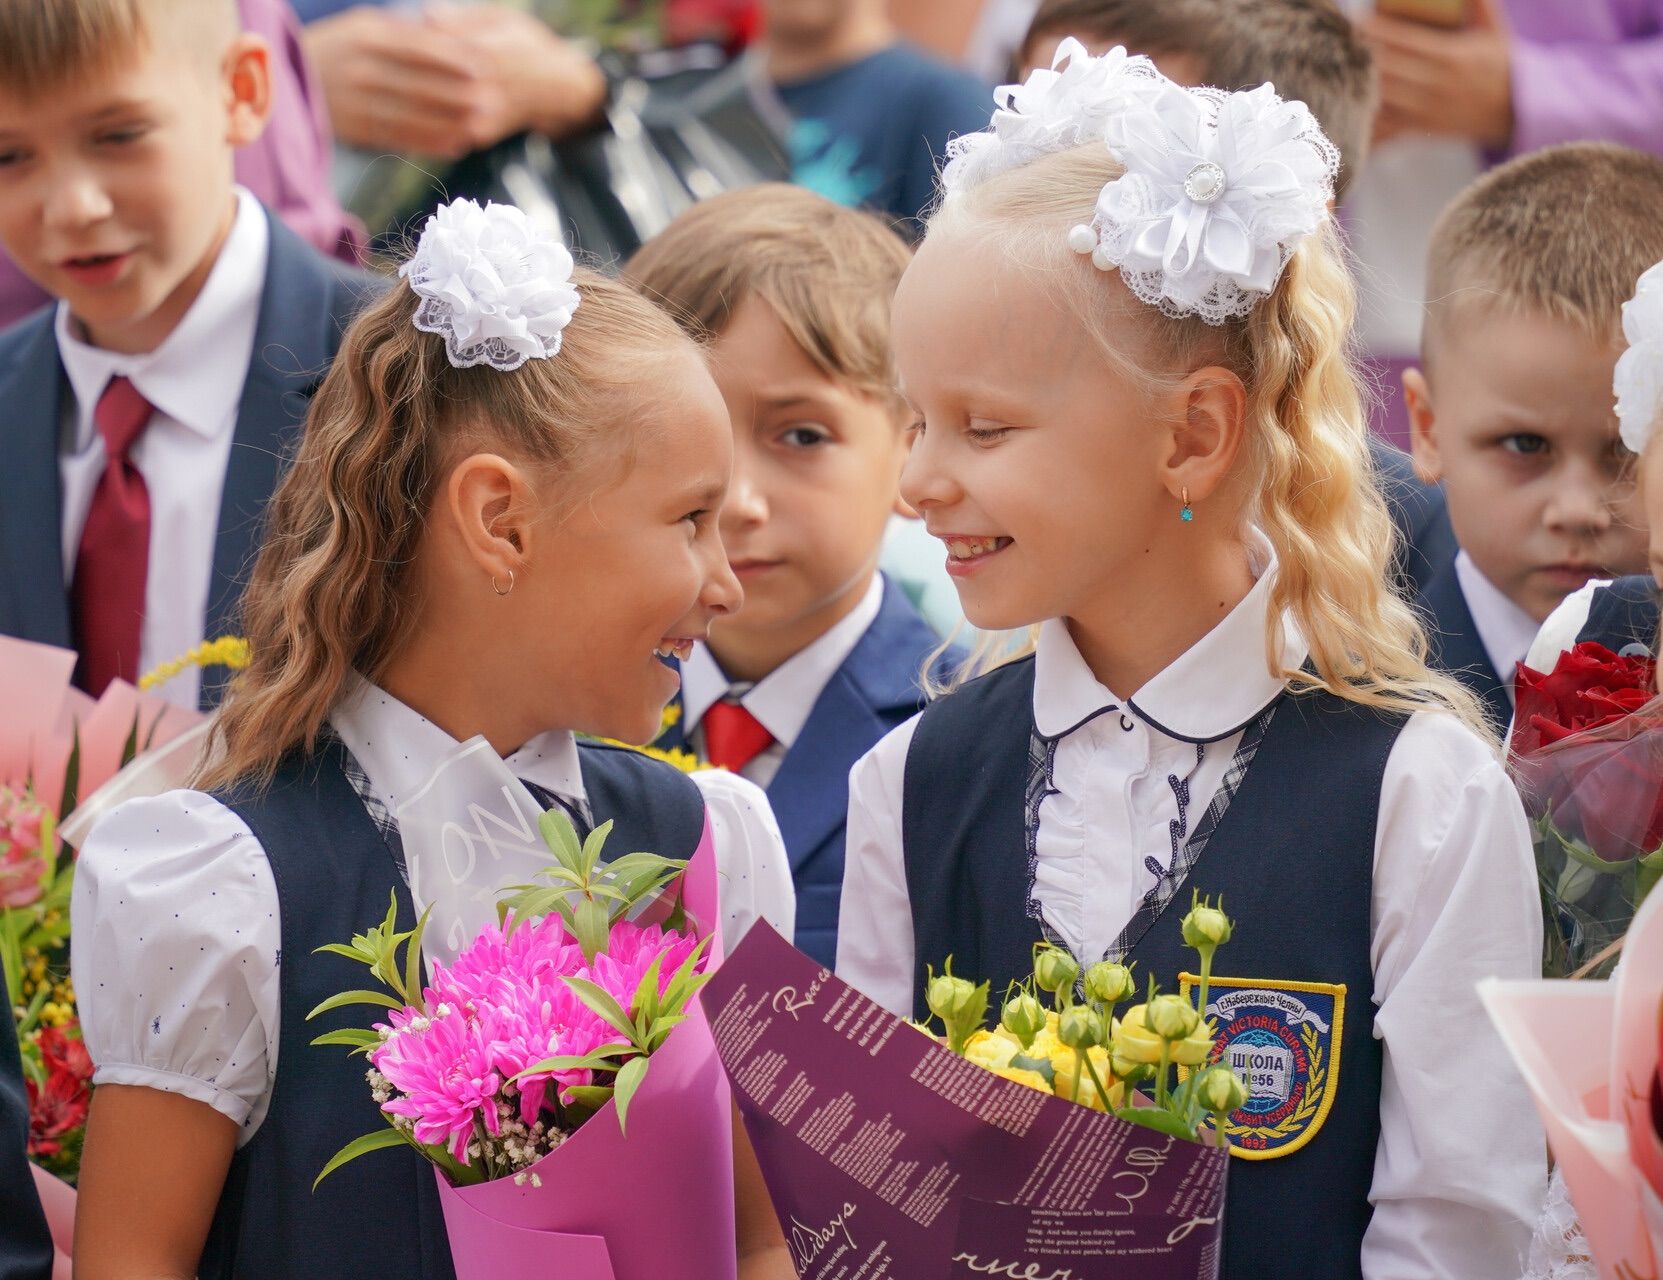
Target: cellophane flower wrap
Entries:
(1587, 755)
(555, 1068)
(62, 753)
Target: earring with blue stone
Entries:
(1186, 515)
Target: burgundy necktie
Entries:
(107, 591)
(733, 737)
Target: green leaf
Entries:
(644, 1004)
(561, 837)
(355, 1037)
(590, 1095)
(355, 997)
(592, 847)
(377, 1141)
(413, 962)
(629, 1080)
(345, 949)
(595, 1060)
(592, 925)
(601, 1001)
(1159, 1119)
(130, 748)
(72, 776)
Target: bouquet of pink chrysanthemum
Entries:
(549, 1038)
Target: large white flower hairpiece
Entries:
(1218, 191)
(1219, 187)
(495, 286)
(1055, 108)
(1638, 380)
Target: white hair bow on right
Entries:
(1218, 190)
(1638, 380)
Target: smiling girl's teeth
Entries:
(970, 548)
(679, 649)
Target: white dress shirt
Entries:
(1505, 630)
(784, 698)
(194, 381)
(175, 911)
(1460, 1169)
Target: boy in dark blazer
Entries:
(825, 656)
(147, 412)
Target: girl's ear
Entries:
(489, 502)
(1208, 420)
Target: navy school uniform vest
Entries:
(1293, 857)
(1623, 615)
(334, 871)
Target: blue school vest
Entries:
(875, 690)
(1624, 614)
(1293, 857)
(334, 872)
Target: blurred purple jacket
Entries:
(1587, 69)
(288, 168)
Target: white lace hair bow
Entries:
(496, 287)
(1219, 187)
(1638, 380)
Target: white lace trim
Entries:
(1558, 1249)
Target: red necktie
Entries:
(107, 591)
(733, 737)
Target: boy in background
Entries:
(148, 408)
(1510, 408)
(792, 293)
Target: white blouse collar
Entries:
(1212, 690)
(399, 748)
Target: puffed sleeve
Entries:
(750, 856)
(1462, 1163)
(875, 944)
(175, 920)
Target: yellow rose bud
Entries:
(1206, 927)
(1134, 1044)
(1023, 1017)
(1171, 1017)
(1055, 970)
(989, 1051)
(1221, 1090)
(958, 1002)
(1063, 1084)
(1081, 1027)
(1108, 983)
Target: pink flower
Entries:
(630, 953)
(443, 1068)
(546, 1021)
(23, 862)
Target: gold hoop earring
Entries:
(498, 589)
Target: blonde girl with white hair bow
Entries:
(1141, 442)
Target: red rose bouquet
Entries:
(1587, 755)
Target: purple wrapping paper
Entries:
(652, 1203)
(890, 1158)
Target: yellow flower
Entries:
(1022, 1076)
(227, 651)
(1134, 1043)
(1063, 1085)
(988, 1050)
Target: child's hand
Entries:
(1454, 83)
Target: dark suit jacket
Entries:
(305, 306)
(1426, 542)
(1456, 647)
(25, 1244)
(876, 689)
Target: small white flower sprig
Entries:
(1219, 187)
(1638, 380)
(494, 285)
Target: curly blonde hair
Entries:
(1306, 443)
(331, 592)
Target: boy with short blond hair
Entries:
(147, 410)
(1511, 406)
(791, 293)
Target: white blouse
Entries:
(1461, 1165)
(175, 912)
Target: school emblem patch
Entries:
(1283, 1039)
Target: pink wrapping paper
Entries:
(653, 1203)
(1589, 1052)
(44, 715)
